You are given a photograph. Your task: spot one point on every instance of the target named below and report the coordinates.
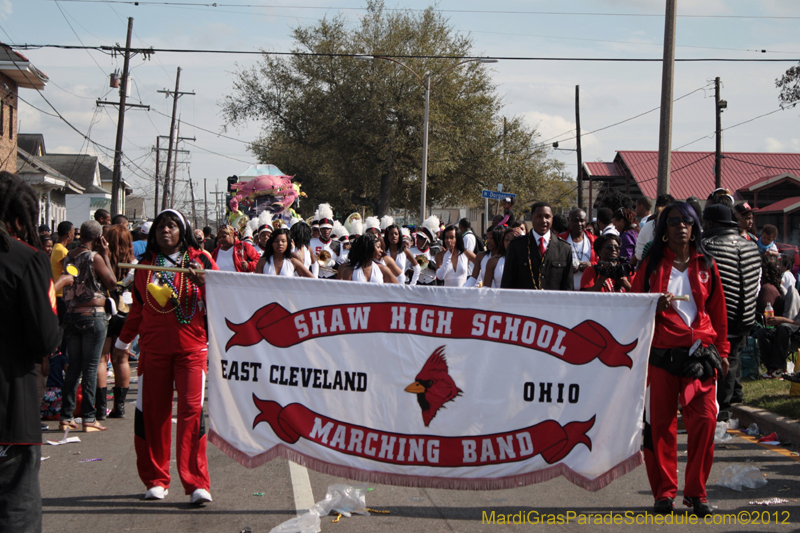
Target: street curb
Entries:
(788, 429)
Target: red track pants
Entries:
(699, 402)
(153, 423)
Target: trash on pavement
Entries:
(90, 460)
(65, 439)
(737, 476)
(771, 501)
(343, 499)
(733, 423)
(772, 439)
(258, 494)
(721, 433)
(752, 430)
(44, 458)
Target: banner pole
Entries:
(161, 268)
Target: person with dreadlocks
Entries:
(168, 313)
(689, 353)
(30, 332)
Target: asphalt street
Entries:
(105, 495)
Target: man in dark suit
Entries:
(539, 260)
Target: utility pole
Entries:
(194, 210)
(205, 201)
(718, 155)
(667, 71)
(580, 155)
(424, 199)
(158, 162)
(175, 95)
(123, 95)
(174, 173)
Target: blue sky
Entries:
(541, 92)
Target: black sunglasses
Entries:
(612, 247)
(674, 221)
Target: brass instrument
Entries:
(324, 257)
(422, 261)
(277, 224)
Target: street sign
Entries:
(496, 195)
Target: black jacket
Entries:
(522, 270)
(739, 265)
(28, 332)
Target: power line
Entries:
(482, 11)
(117, 49)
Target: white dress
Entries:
(287, 268)
(498, 272)
(376, 276)
(307, 262)
(402, 262)
(453, 277)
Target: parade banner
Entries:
(439, 387)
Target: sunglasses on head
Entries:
(675, 221)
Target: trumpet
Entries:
(277, 224)
(422, 261)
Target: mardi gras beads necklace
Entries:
(185, 311)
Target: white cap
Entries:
(145, 229)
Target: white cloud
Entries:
(6, 9)
(771, 144)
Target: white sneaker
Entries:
(200, 496)
(156, 493)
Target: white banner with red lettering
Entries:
(428, 386)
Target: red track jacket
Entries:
(242, 253)
(160, 332)
(711, 323)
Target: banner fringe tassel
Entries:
(384, 478)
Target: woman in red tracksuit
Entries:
(233, 255)
(683, 361)
(172, 338)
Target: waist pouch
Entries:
(702, 364)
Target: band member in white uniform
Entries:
(454, 259)
(397, 249)
(277, 259)
(494, 240)
(364, 265)
(263, 231)
(323, 243)
(301, 236)
(425, 237)
(340, 234)
(494, 268)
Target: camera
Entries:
(613, 270)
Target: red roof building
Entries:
(763, 179)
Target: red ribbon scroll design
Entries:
(548, 439)
(582, 344)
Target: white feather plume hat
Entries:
(324, 216)
(372, 223)
(386, 221)
(429, 229)
(356, 227)
(264, 222)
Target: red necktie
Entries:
(542, 249)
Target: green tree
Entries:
(352, 129)
(789, 84)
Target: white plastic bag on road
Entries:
(721, 433)
(737, 476)
(344, 499)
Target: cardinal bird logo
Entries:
(433, 386)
